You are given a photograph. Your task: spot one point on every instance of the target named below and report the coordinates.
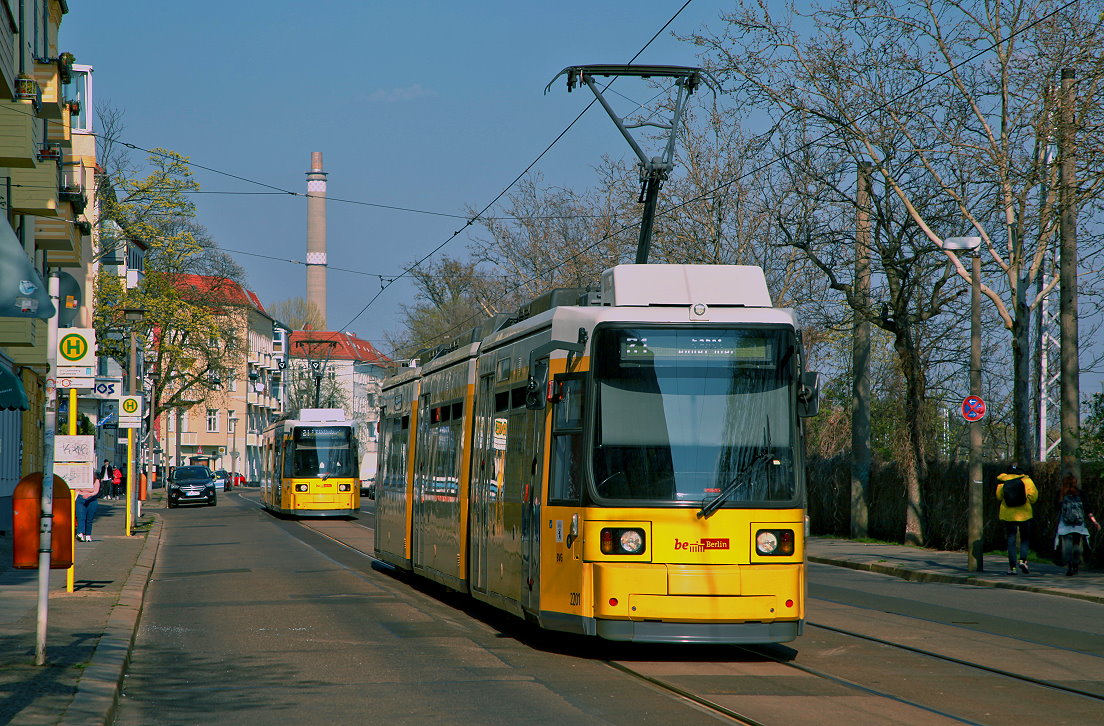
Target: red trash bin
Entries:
(26, 520)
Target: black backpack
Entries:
(1073, 512)
(1014, 492)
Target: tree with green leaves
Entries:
(194, 335)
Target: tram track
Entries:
(708, 703)
(962, 662)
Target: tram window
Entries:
(405, 423)
(502, 401)
(568, 457)
(458, 410)
(517, 397)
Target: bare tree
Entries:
(968, 89)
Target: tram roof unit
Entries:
(659, 288)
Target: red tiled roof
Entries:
(220, 289)
(332, 344)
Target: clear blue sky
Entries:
(428, 105)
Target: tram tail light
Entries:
(622, 541)
(774, 542)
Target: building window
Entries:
(172, 420)
(79, 89)
(212, 420)
(231, 423)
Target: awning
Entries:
(12, 394)
(22, 294)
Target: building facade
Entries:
(47, 165)
(224, 430)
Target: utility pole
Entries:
(45, 541)
(1067, 301)
(975, 539)
(860, 355)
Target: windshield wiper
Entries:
(738, 481)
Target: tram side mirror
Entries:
(534, 389)
(808, 394)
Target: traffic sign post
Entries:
(973, 408)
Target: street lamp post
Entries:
(133, 316)
(975, 545)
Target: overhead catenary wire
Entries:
(515, 180)
(467, 322)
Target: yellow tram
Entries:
(310, 465)
(625, 462)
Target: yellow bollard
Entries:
(129, 477)
(71, 573)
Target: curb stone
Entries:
(99, 686)
(924, 576)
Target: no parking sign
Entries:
(973, 408)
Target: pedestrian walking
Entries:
(87, 502)
(105, 477)
(1017, 493)
(1073, 521)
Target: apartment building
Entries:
(47, 184)
(349, 368)
(224, 430)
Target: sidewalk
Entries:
(920, 565)
(89, 631)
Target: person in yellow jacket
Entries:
(1016, 513)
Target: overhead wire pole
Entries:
(656, 169)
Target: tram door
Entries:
(530, 507)
(483, 480)
(424, 456)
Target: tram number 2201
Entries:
(576, 598)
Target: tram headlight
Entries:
(618, 541)
(774, 542)
(300, 487)
(344, 487)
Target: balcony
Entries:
(49, 89)
(61, 238)
(35, 190)
(19, 136)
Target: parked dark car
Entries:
(368, 488)
(192, 485)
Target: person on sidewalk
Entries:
(105, 476)
(1072, 523)
(117, 484)
(1017, 493)
(87, 502)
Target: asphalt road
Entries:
(251, 619)
(254, 619)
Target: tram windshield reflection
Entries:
(322, 452)
(686, 414)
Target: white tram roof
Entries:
(647, 285)
(318, 415)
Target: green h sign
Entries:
(77, 347)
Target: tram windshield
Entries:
(322, 452)
(694, 415)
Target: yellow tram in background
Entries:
(625, 462)
(310, 465)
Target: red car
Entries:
(236, 480)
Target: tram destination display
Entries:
(725, 345)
